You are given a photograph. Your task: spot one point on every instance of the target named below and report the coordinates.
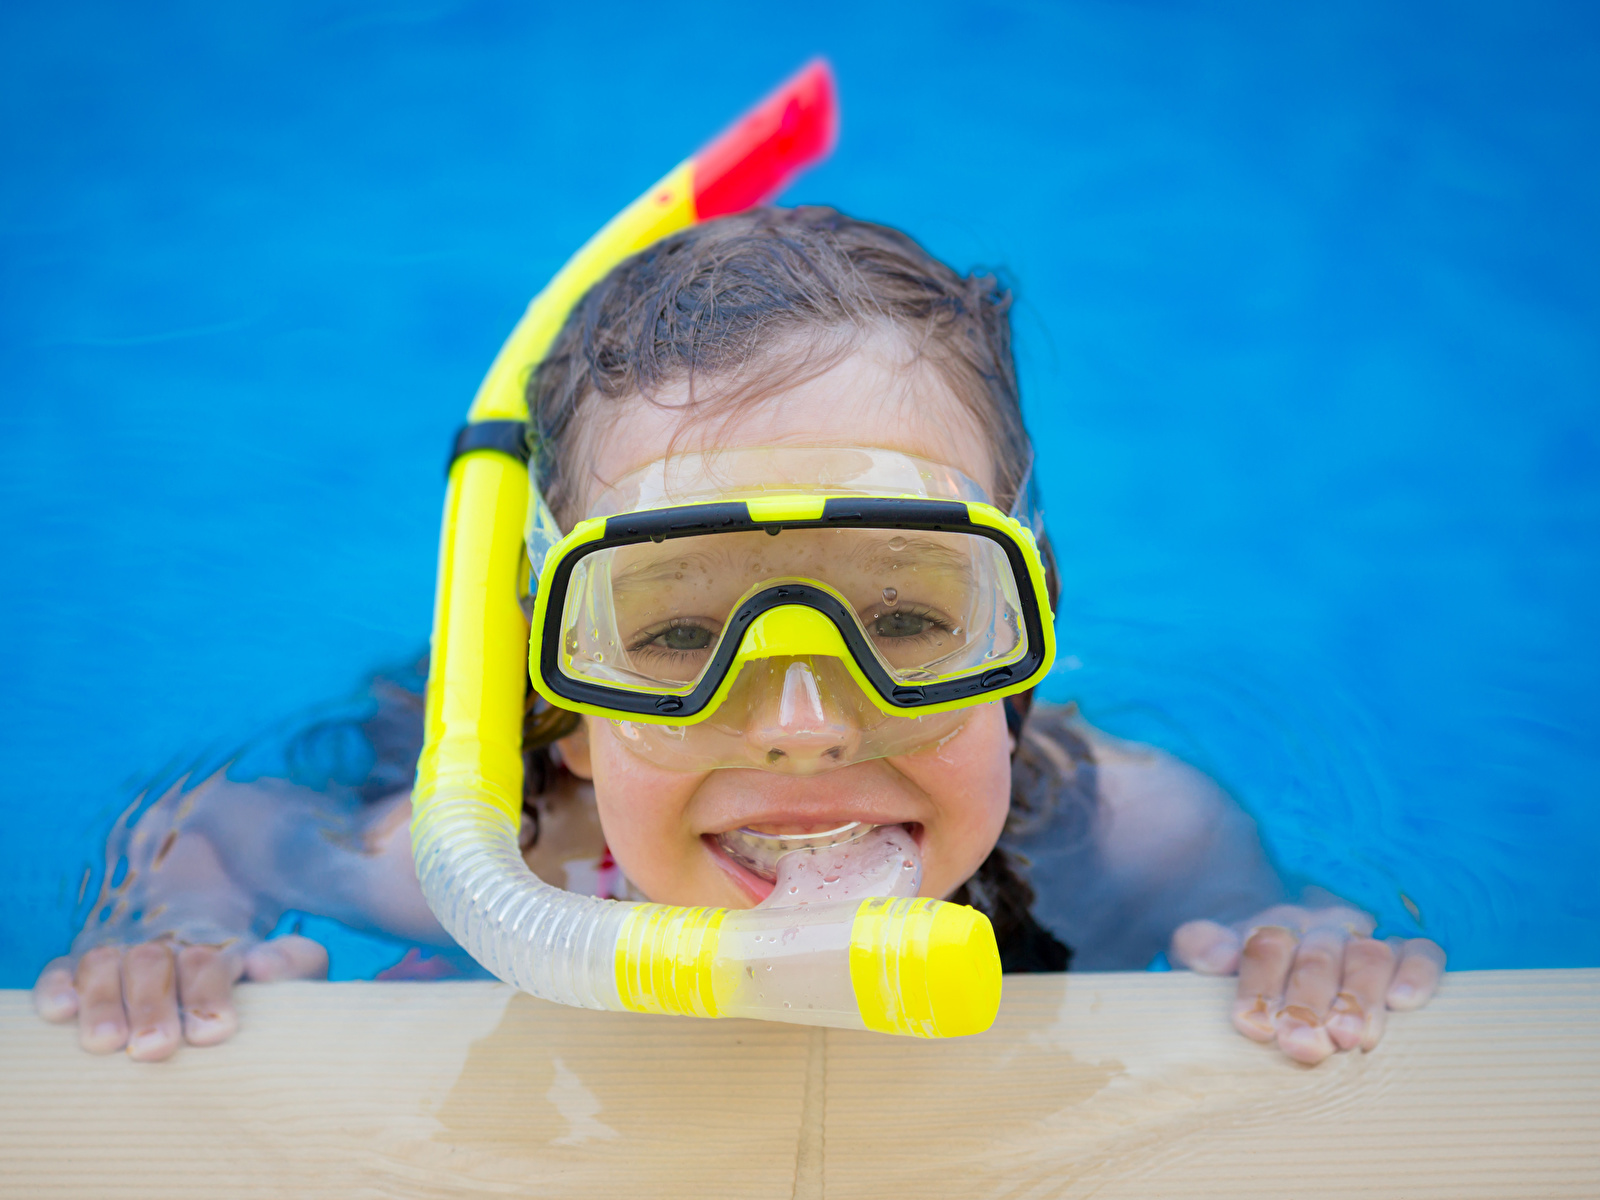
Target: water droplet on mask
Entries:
(908, 864)
(598, 657)
(679, 575)
(891, 597)
(830, 879)
(793, 888)
(683, 566)
(897, 543)
(571, 644)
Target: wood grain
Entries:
(1103, 1085)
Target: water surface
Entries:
(1307, 317)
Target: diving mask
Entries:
(794, 609)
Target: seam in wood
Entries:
(808, 1157)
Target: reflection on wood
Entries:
(1104, 1085)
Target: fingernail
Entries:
(1256, 1014)
(146, 1039)
(1302, 1035)
(1402, 993)
(1346, 1027)
(106, 1029)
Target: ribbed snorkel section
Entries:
(553, 944)
(467, 803)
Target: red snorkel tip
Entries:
(755, 158)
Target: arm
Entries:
(207, 874)
(1172, 847)
(1172, 863)
(1133, 843)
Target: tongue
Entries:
(884, 862)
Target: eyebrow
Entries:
(665, 569)
(927, 551)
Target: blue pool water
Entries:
(1309, 327)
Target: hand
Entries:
(164, 994)
(1313, 979)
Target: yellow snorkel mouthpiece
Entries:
(892, 963)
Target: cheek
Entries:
(968, 781)
(643, 811)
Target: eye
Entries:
(683, 637)
(900, 625)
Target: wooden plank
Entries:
(415, 1090)
(1136, 1085)
(1104, 1085)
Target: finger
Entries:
(1357, 1015)
(1350, 921)
(289, 957)
(1292, 917)
(206, 977)
(150, 992)
(1313, 982)
(54, 997)
(1263, 967)
(1206, 947)
(102, 1025)
(1417, 976)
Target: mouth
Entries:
(750, 854)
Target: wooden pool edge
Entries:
(1102, 1084)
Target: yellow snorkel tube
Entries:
(911, 966)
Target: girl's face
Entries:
(661, 824)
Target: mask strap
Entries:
(1028, 507)
(543, 530)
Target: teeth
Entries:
(759, 852)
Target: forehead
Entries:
(876, 396)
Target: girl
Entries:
(788, 337)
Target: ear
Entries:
(574, 751)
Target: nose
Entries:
(801, 726)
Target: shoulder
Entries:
(1137, 843)
(1150, 810)
(1157, 808)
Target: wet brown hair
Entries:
(742, 306)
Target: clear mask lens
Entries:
(929, 604)
(657, 620)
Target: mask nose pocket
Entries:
(799, 724)
(804, 716)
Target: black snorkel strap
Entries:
(507, 437)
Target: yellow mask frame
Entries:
(795, 618)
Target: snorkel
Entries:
(843, 940)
